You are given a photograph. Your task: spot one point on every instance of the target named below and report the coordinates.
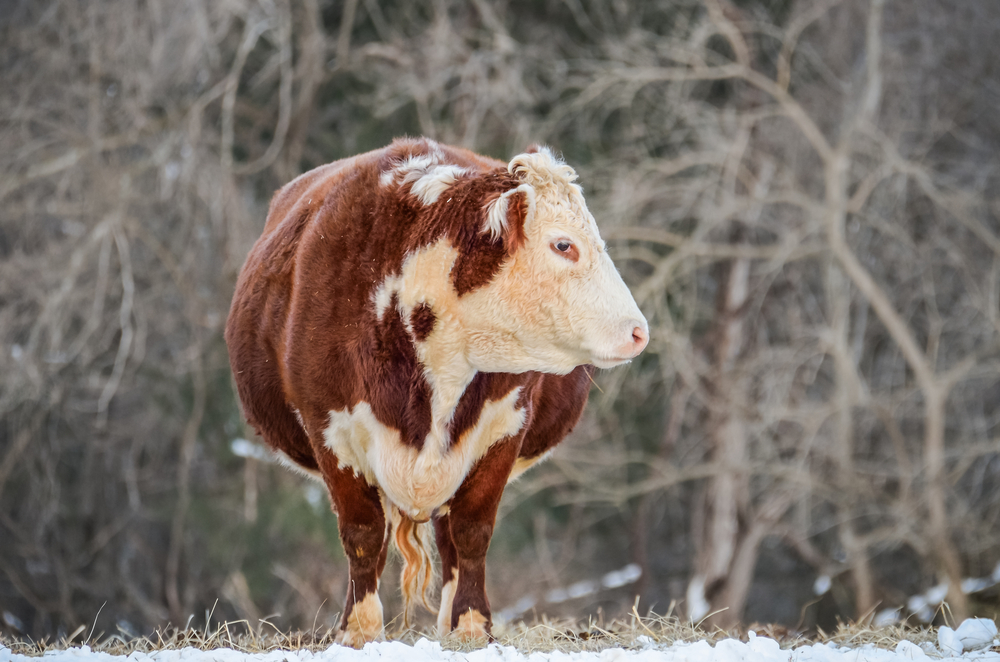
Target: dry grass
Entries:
(235, 635)
(543, 634)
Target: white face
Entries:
(559, 302)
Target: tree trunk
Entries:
(723, 541)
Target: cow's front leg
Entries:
(473, 512)
(363, 533)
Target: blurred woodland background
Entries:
(803, 194)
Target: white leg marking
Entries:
(447, 597)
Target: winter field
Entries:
(644, 640)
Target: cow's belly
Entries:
(417, 481)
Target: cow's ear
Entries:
(508, 214)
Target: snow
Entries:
(888, 617)
(246, 448)
(923, 605)
(822, 584)
(974, 637)
(618, 578)
(972, 634)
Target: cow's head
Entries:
(557, 301)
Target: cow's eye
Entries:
(565, 248)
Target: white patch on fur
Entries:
(425, 278)
(419, 164)
(496, 212)
(429, 187)
(447, 598)
(382, 295)
(523, 464)
(364, 624)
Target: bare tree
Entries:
(786, 173)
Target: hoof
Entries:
(364, 623)
(472, 626)
(355, 639)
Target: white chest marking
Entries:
(417, 481)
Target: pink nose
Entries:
(636, 342)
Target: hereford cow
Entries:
(415, 327)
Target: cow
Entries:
(415, 327)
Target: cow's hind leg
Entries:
(363, 533)
(472, 516)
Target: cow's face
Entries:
(558, 301)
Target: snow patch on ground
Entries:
(974, 634)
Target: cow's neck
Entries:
(425, 279)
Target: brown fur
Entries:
(303, 334)
(422, 322)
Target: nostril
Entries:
(639, 336)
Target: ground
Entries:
(643, 640)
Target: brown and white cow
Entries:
(417, 326)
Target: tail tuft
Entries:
(415, 543)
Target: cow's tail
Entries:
(415, 542)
